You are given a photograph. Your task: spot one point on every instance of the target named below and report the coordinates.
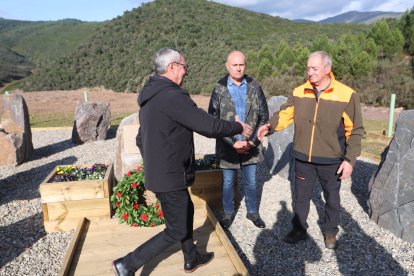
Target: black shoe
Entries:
(257, 221)
(225, 223)
(120, 269)
(201, 259)
(295, 236)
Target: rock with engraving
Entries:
(92, 121)
(127, 155)
(15, 134)
(278, 153)
(391, 201)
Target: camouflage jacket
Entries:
(222, 106)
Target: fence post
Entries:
(391, 118)
(85, 95)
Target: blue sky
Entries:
(100, 10)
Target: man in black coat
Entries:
(168, 118)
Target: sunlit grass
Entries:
(41, 120)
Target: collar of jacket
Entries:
(309, 88)
(223, 80)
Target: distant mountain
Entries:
(361, 17)
(118, 54)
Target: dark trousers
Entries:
(305, 176)
(179, 217)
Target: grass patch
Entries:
(374, 141)
(65, 119)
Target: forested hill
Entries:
(13, 66)
(118, 55)
(44, 41)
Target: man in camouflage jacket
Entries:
(237, 95)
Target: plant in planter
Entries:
(130, 204)
(73, 173)
(206, 162)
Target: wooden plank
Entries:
(109, 177)
(107, 240)
(67, 260)
(65, 225)
(238, 263)
(72, 190)
(78, 208)
(45, 212)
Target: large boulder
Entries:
(278, 153)
(391, 201)
(15, 134)
(92, 121)
(127, 156)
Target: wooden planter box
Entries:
(63, 203)
(207, 187)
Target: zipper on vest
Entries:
(313, 132)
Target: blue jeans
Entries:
(250, 192)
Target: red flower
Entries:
(134, 225)
(117, 205)
(157, 206)
(118, 194)
(160, 214)
(138, 168)
(129, 173)
(125, 216)
(144, 217)
(136, 206)
(134, 185)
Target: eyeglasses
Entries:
(185, 66)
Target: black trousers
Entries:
(305, 178)
(179, 217)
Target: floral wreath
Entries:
(129, 201)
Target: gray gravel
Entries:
(364, 247)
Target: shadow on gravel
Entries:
(279, 258)
(362, 173)
(51, 149)
(111, 133)
(25, 185)
(359, 254)
(29, 230)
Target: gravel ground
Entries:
(364, 247)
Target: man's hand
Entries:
(247, 130)
(262, 131)
(241, 147)
(345, 169)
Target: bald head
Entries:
(236, 64)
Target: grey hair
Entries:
(326, 59)
(164, 57)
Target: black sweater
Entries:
(168, 118)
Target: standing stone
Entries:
(15, 134)
(278, 154)
(92, 121)
(391, 201)
(127, 156)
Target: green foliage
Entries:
(130, 204)
(406, 26)
(390, 40)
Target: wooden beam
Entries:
(67, 260)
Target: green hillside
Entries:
(118, 55)
(13, 66)
(44, 41)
